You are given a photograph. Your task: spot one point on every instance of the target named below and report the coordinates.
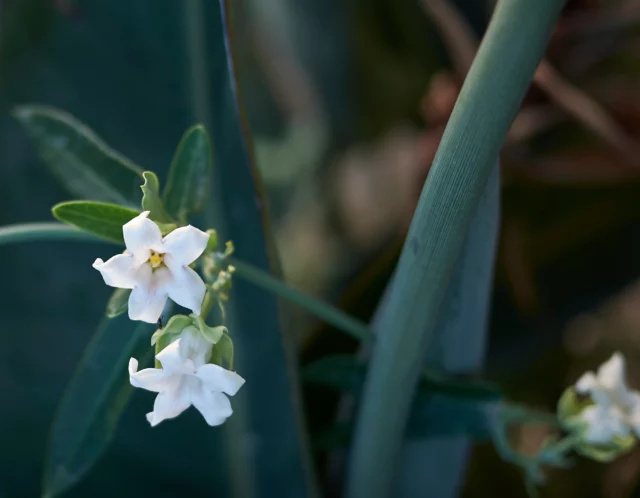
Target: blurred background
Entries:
(347, 101)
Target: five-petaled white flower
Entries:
(616, 408)
(186, 379)
(156, 268)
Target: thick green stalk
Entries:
(487, 104)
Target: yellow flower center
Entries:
(156, 259)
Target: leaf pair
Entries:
(97, 395)
(109, 182)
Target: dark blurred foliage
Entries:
(347, 100)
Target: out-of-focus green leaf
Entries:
(99, 218)
(88, 414)
(151, 199)
(265, 356)
(79, 158)
(431, 416)
(118, 302)
(189, 180)
(347, 373)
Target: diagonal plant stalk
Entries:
(344, 322)
(487, 104)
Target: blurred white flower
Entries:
(186, 379)
(616, 408)
(156, 268)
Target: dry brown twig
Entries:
(462, 45)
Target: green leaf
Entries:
(98, 218)
(211, 334)
(486, 106)
(265, 354)
(86, 166)
(347, 373)
(96, 397)
(222, 353)
(151, 199)
(190, 174)
(118, 302)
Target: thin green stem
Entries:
(326, 312)
(29, 232)
(342, 321)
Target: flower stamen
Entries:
(156, 259)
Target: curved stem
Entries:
(28, 232)
(342, 321)
(488, 102)
(326, 312)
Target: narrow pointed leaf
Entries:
(85, 165)
(264, 354)
(151, 199)
(99, 218)
(190, 174)
(88, 414)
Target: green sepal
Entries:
(606, 453)
(175, 325)
(118, 303)
(99, 218)
(151, 200)
(570, 408)
(570, 405)
(211, 334)
(222, 352)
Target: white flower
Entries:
(616, 409)
(156, 268)
(186, 379)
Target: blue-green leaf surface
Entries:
(137, 76)
(268, 406)
(97, 395)
(86, 166)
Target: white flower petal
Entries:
(185, 244)
(174, 362)
(603, 424)
(611, 373)
(140, 235)
(169, 404)
(148, 298)
(194, 346)
(216, 378)
(214, 406)
(119, 271)
(151, 379)
(187, 288)
(586, 383)
(633, 412)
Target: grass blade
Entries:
(487, 104)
